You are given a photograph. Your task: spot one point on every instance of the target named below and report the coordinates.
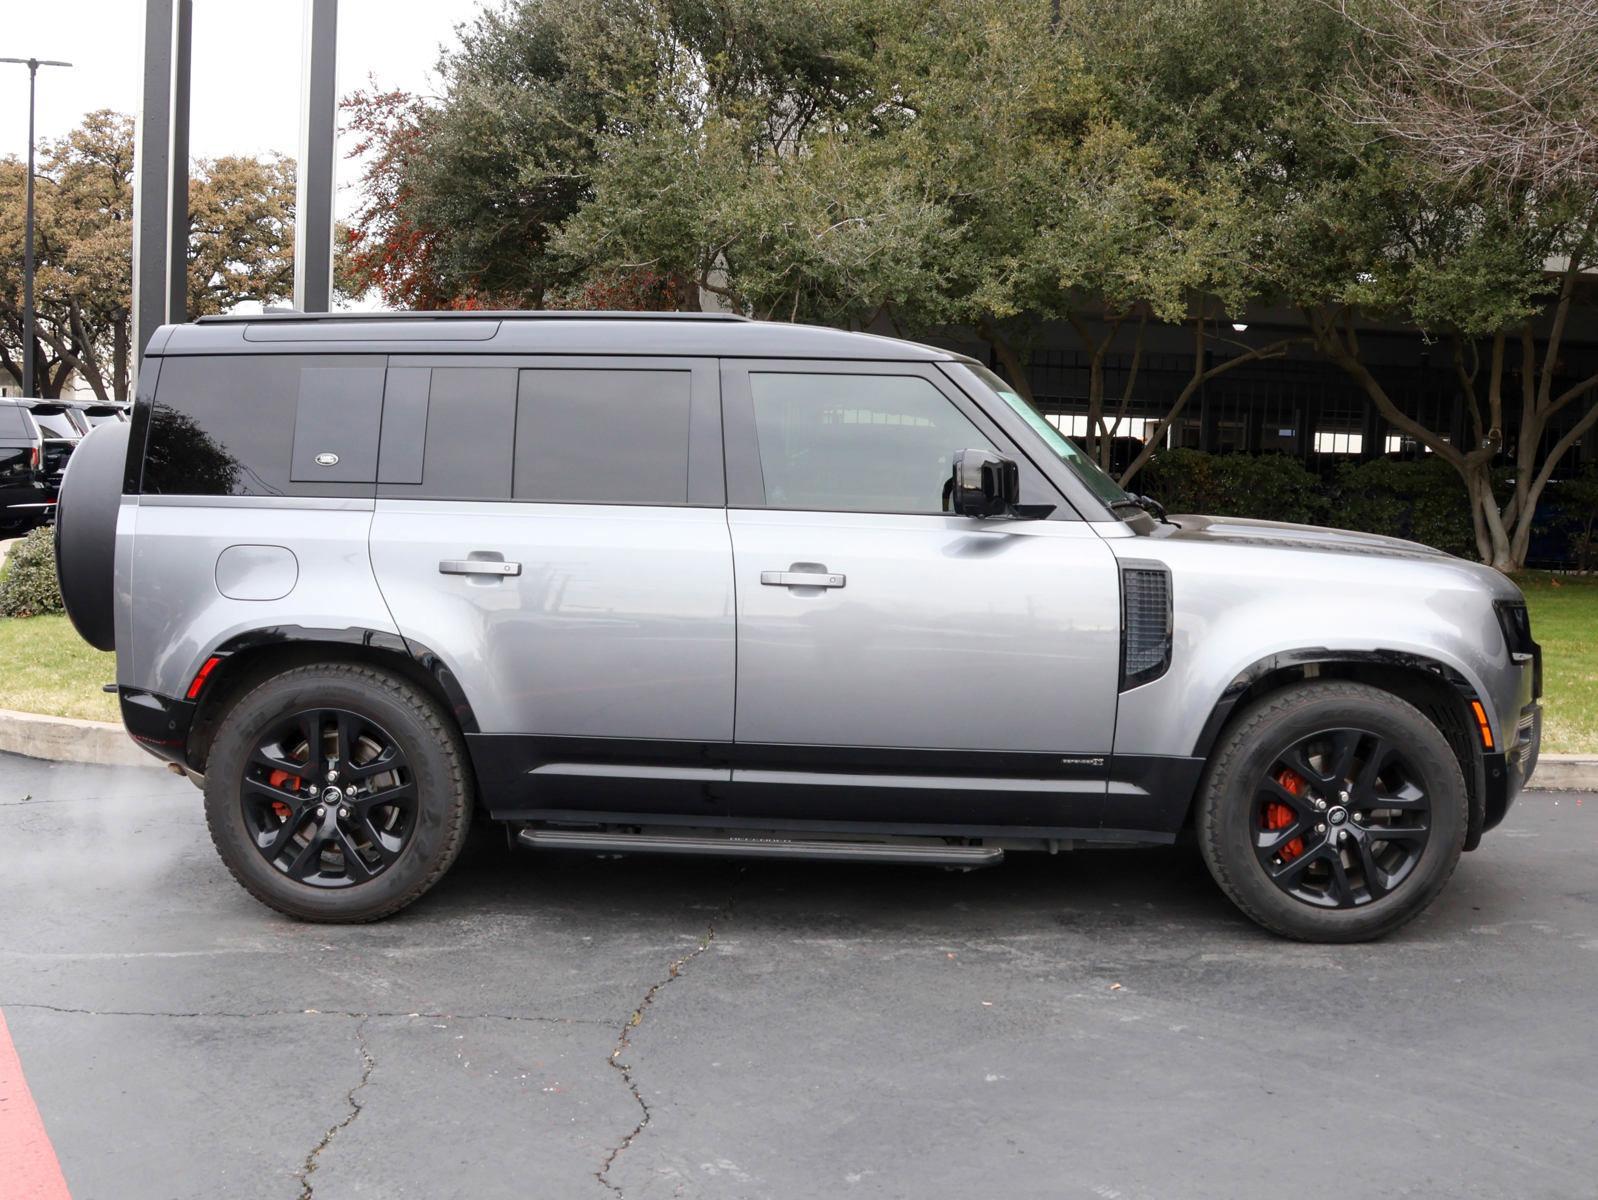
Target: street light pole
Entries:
(28, 365)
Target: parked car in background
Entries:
(91, 413)
(58, 424)
(22, 492)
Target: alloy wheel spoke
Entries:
(401, 796)
(283, 837)
(262, 756)
(1287, 874)
(354, 865)
(1407, 834)
(386, 844)
(1344, 746)
(1339, 886)
(1375, 877)
(1407, 797)
(307, 860)
(315, 756)
(1378, 751)
(1268, 841)
(347, 731)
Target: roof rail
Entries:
(562, 314)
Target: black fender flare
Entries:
(1481, 766)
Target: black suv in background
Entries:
(58, 423)
(23, 499)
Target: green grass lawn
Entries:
(1564, 618)
(46, 668)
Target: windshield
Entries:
(1083, 467)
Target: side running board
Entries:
(733, 846)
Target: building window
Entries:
(1338, 441)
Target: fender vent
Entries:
(1145, 623)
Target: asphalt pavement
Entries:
(1099, 1025)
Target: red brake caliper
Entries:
(1279, 816)
(277, 779)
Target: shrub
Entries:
(1424, 501)
(1269, 486)
(28, 587)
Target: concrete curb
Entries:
(106, 743)
(1566, 773)
(65, 739)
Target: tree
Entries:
(241, 247)
(1490, 111)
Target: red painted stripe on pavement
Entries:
(28, 1166)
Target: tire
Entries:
(374, 874)
(1289, 751)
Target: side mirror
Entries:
(983, 484)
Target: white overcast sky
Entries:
(245, 89)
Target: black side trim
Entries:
(1149, 791)
(157, 723)
(617, 780)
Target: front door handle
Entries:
(478, 566)
(815, 579)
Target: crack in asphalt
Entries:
(636, 1019)
(306, 1012)
(355, 1106)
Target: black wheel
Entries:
(1332, 812)
(337, 793)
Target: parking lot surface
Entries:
(1098, 1025)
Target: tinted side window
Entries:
(857, 443)
(467, 429)
(603, 436)
(12, 423)
(227, 426)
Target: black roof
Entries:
(723, 335)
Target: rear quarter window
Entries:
(265, 425)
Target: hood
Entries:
(1240, 531)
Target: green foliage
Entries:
(28, 587)
(240, 247)
(1267, 486)
(1422, 501)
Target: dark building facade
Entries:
(1301, 404)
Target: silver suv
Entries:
(695, 584)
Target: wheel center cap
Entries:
(1337, 815)
(332, 796)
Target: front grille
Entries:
(1145, 623)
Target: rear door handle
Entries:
(815, 579)
(478, 566)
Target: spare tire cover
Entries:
(86, 532)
